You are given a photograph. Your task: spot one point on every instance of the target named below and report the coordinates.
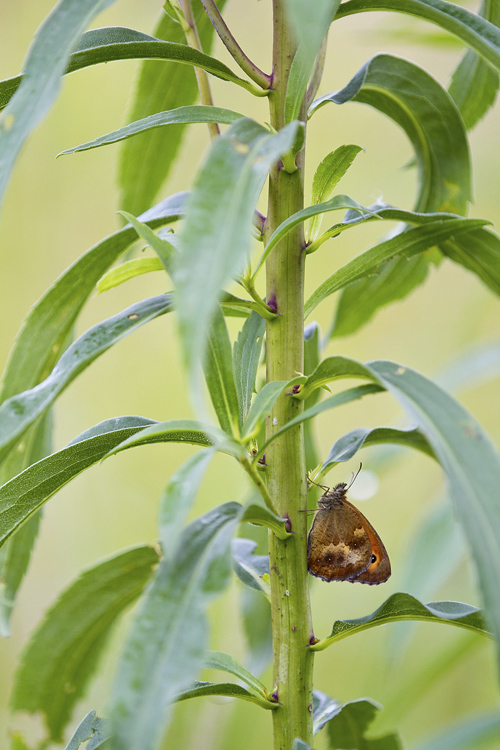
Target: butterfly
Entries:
(342, 544)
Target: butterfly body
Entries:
(342, 544)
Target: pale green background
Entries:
(55, 210)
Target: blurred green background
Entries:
(55, 210)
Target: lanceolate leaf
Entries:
(479, 253)
(246, 356)
(74, 633)
(165, 647)
(226, 663)
(54, 41)
(218, 367)
(474, 84)
(128, 270)
(20, 411)
(146, 160)
(185, 115)
(228, 689)
(216, 233)
(26, 493)
(480, 35)
(261, 407)
(92, 728)
(405, 607)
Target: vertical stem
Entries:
(292, 628)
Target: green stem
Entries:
(252, 471)
(291, 618)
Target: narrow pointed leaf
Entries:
(477, 33)
(405, 607)
(162, 247)
(92, 728)
(246, 356)
(20, 411)
(250, 567)
(145, 161)
(194, 114)
(328, 174)
(165, 647)
(44, 67)
(23, 495)
(218, 368)
(226, 663)
(74, 633)
(479, 252)
(126, 271)
(261, 516)
(407, 243)
(227, 689)
(217, 228)
(261, 406)
(313, 347)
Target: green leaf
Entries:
(74, 633)
(407, 243)
(468, 735)
(349, 444)
(46, 329)
(480, 35)
(474, 84)
(218, 367)
(246, 356)
(216, 232)
(20, 411)
(402, 606)
(45, 64)
(328, 174)
(324, 709)
(261, 516)
(256, 621)
(162, 247)
(313, 347)
(249, 567)
(349, 725)
(197, 113)
(228, 689)
(261, 407)
(92, 728)
(226, 663)
(334, 204)
(26, 493)
(126, 271)
(145, 161)
(311, 22)
(479, 253)
(167, 641)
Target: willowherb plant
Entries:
(266, 429)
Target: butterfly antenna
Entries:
(321, 486)
(354, 476)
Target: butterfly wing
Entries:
(379, 570)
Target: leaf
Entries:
(347, 728)
(26, 493)
(402, 606)
(310, 22)
(46, 329)
(328, 174)
(324, 709)
(479, 253)
(198, 113)
(256, 620)
(261, 407)
(467, 735)
(74, 633)
(249, 567)
(20, 411)
(226, 663)
(246, 356)
(165, 647)
(313, 347)
(474, 83)
(218, 367)
(228, 689)
(145, 161)
(92, 728)
(261, 516)
(480, 35)
(334, 204)
(126, 271)
(408, 243)
(164, 249)
(216, 233)
(44, 66)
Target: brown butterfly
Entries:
(342, 544)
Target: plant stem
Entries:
(292, 628)
(193, 39)
(234, 49)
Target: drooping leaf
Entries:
(23, 495)
(402, 606)
(246, 356)
(145, 161)
(44, 67)
(62, 654)
(216, 233)
(474, 84)
(20, 411)
(348, 726)
(185, 115)
(168, 638)
(328, 174)
(218, 368)
(91, 728)
(479, 34)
